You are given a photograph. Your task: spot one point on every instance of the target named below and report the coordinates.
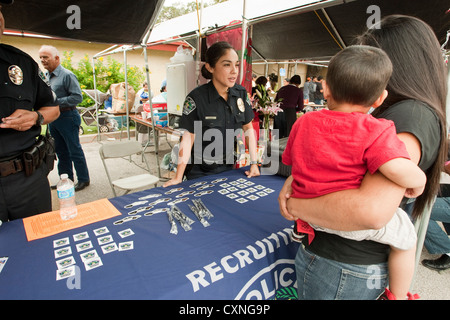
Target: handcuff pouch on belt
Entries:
(31, 160)
(42, 151)
(49, 153)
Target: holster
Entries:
(30, 160)
(46, 146)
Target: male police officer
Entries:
(26, 102)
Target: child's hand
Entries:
(414, 192)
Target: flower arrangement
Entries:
(264, 105)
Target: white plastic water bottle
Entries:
(66, 195)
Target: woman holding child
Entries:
(332, 267)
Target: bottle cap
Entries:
(64, 176)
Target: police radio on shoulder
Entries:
(40, 119)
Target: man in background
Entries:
(65, 129)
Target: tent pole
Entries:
(244, 38)
(199, 45)
(333, 27)
(198, 58)
(94, 78)
(155, 141)
(105, 51)
(125, 68)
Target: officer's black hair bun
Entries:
(205, 73)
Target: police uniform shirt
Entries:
(21, 87)
(206, 105)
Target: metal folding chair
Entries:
(120, 150)
(421, 226)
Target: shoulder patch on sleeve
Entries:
(43, 77)
(248, 101)
(189, 106)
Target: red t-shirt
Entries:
(331, 151)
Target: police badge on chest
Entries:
(240, 104)
(15, 75)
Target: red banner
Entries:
(234, 37)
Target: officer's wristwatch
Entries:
(40, 119)
(253, 162)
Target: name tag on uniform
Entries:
(210, 117)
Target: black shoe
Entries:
(441, 263)
(81, 185)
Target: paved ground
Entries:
(430, 285)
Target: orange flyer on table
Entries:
(50, 223)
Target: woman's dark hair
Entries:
(261, 81)
(419, 74)
(296, 80)
(213, 54)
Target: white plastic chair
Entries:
(421, 227)
(120, 150)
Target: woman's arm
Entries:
(184, 153)
(369, 207)
(250, 133)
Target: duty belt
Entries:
(11, 167)
(28, 161)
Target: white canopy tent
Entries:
(234, 14)
(297, 29)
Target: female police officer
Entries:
(211, 115)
